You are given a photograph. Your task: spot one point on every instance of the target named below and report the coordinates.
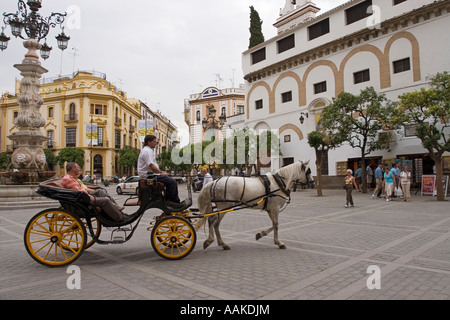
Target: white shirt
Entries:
(207, 178)
(146, 157)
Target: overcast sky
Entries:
(157, 51)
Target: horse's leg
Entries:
(273, 214)
(220, 241)
(211, 222)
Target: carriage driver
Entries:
(69, 181)
(147, 162)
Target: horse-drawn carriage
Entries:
(58, 236)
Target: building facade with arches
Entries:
(391, 45)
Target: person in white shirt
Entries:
(206, 177)
(405, 178)
(147, 162)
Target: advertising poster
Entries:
(428, 182)
(91, 134)
(145, 127)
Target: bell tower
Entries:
(295, 13)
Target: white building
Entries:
(392, 47)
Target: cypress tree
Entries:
(256, 35)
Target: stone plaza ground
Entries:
(333, 253)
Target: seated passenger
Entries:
(69, 181)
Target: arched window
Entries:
(198, 116)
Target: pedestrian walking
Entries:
(358, 176)
(405, 178)
(349, 183)
(378, 180)
(389, 182)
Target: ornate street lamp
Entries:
(302, 119)
(28, 155)
(36, 27)
(210, 122)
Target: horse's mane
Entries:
(288, 171)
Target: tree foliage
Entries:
(360, 120)
(429, 111)
(70, 155)
(256, 35)
(5, 160)
(128, 158)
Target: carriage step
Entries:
(118, 240)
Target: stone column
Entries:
(28, 155)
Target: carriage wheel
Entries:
(55, 238)
(96, 227)
(173, 238)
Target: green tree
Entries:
(360, 120)
(5, 160)
(322, 142)
(70, 155)
(128, 158)
(50, 159)
(256, 35)
(429, 111)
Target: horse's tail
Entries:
(204, 202)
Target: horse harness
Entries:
(268, 194)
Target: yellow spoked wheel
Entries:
(96, 227)
(173, 238)
(55, 238)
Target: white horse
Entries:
(228, 192)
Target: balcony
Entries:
(132, 128)
(71, 117)
(117, 121)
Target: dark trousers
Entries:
(109, 207)
(171, 188)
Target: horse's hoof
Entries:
(282, 246)
(226, 247)
(206, 244)
(258, 236)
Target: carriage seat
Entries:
(57, 183)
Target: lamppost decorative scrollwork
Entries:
(35, 26)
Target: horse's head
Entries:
(304, 172)
(297, 171)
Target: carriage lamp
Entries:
(302, 119)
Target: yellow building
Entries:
(71, 105)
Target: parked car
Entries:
(130, 185)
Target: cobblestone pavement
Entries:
(333, 253)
